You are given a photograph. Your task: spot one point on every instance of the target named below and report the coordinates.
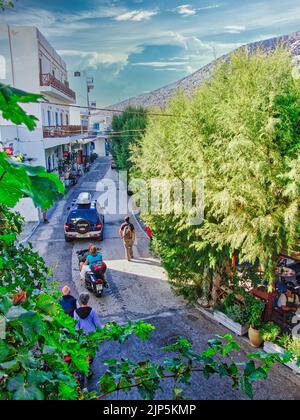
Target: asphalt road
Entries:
(140, 290)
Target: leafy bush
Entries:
(237, 313)
(290, 344)
(255, 311)
(270, 332)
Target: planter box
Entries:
(238, 329)
(274, 348)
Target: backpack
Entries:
(127, 232)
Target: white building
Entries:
(100, 124)
(28, 62)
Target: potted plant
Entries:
(256, 309)
(270, 332)
(282, 345)
(232, 315)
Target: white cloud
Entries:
(234, 29)
(93, 59)
(159, 64)
(189, 10)
(186, 10)
(136, 15)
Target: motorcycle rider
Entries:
(93, 257)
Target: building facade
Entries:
(28, 62)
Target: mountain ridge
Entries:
(161, 96)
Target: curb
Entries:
(30, 234)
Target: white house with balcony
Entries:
(33, 65)
(28, 62)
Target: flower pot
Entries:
(255, 337)
(273, 348)
(224, 320)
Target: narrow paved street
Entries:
(139, 290)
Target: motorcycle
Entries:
(94, 280)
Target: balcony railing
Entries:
(64, 131)
(50, 80)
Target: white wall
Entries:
(100, 146)
(27, 209)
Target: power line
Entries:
(120, 111)
(121, 132)
(104, 133)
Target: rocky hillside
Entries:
(161, 97)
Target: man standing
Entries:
(127, 233)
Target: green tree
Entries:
(240, 134)
(6, 3)
(128, 128)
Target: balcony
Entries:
(63, 131)
(60, 89)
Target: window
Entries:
(49, 118)
(61, 119)
(41, 67)
(67, 119)
(56, 119)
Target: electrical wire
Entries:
(103, 133)
(154, 114)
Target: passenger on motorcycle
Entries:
(94, 257)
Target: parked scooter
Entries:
(95, 280)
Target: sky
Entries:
(132, 47)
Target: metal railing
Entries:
(50, 80)
(64, 131)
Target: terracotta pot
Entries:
(255, 337)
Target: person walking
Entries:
(45, 220)
(149, 232)
(68, 302)
(127, 233)
(86, 317)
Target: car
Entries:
(85, 219)
(113, 165)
